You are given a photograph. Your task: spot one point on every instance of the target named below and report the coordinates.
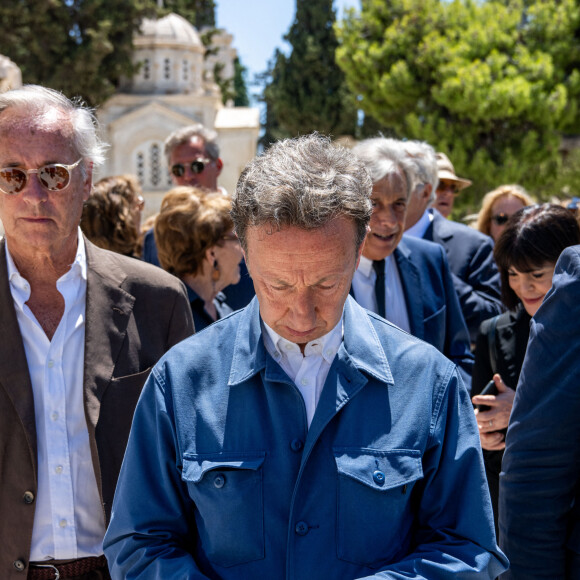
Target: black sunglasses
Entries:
(197, 166)
(500, 219)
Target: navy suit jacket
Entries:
(539, 502)
(475, 275)
(432, 304)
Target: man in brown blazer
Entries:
(80, 327)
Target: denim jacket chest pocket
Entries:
(374, 498)
(227, 491)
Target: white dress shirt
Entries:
(418, 229)
(308, 370)
(69, 521)
(363, 286)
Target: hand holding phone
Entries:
(489, 389)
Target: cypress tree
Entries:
(307, 91)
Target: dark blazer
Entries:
(432, 304)
(539, 515)
(475, 275)
(134, 314)
(512, 330)
(201, 318)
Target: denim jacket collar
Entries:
(360, 350)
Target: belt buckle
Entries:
(56, 572)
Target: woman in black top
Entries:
(526, 254)
(196, 242)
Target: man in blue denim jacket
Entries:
(303, 437)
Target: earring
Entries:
(215, 273)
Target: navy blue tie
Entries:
(379, 266)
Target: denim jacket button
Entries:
(219, 480)
(301, 528)
(379, 477)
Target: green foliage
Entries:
(83, 47)
(307, 90)
(492, 84)
(80, 47)
(566, 184)
(200, 13)
(234, 88)
(271, 128)
(241, 98)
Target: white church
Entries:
(175, 87)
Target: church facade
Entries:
(174, 88)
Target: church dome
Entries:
(169, 53)
(169, 30)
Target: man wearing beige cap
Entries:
(449, 185)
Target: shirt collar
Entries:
(192, 295)
(365, 266)
(325, 346)
(418, 230)
(361, 349)
(78, 267)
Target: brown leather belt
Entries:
(47, 571)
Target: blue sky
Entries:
(258, 27)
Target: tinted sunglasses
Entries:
(446, 186)
(500, 219)
(52, 177)
(197, 166)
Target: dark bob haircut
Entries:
(534, 236)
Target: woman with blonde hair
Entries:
(196, 242)
(498, 205)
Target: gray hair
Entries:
(384, 158)
(184, 134)
(304, 182)
(37, 102)
(424, 160)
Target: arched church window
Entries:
(141, 168)
(150, 166)
(155, 164)
(185, 70)
(146, 69)
(167, 68)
